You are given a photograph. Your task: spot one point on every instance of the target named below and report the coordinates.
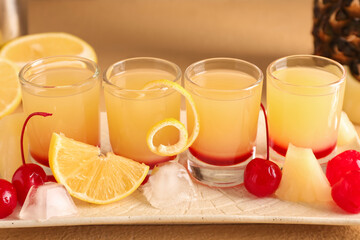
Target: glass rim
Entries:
(259, 79)
(333, 62)
(169, 63)
(40, 61)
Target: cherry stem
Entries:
(267, 132)
(44, 114)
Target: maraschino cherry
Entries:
(343, 173)
(262, 176)
(8, 198)
(29, 174)
(341, 164)
(50, 178)
(346, 192)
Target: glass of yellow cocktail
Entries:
(132, 111)
(69, 88)
(304, 100)
(227, 94)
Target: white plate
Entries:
(232, 205)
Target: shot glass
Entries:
(304, 101)
(132, 111)
(227, 94)
(69, 88)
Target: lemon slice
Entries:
(90, 176)
(184, 141)
(31, 47)
(10, 92)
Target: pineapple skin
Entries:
(336, 30)
(336, 33)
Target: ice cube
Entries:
(47, 201)
(170, 186)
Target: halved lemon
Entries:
(184, 141)
(90, 176)
(10, 92)
(31, 47)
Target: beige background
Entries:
(182, 31)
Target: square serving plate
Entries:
(212, 206)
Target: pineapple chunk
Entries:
(352, 97)
(303, 179)
(10, 153)
(347, 132)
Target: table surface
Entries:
(258, 31)
(209, 232)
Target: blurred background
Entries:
(182, 31)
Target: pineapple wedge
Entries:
(303, 179)
(347, 132)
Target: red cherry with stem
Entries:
(25, 177)
(29, 174)
(267, 132)
(50, 178)
(262, 176)
(8, 198)
(341, 164)
(346, 192)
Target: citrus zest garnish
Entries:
(165, 150)
(184, 141)
(90, 176)
(10, 92)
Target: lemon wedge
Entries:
(90, 176)
(31, 47)
(184, 141)
(10, 92)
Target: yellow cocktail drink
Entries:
(67, 87)
(227, 95)
(304, 102)
(228, 120)
(132, 111)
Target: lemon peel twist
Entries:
(185, 141)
